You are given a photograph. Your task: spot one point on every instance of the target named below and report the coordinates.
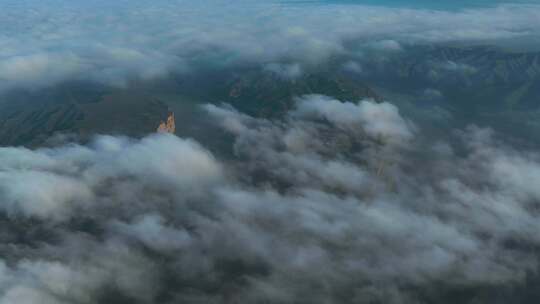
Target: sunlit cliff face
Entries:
(167, 126)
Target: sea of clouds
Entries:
(43, 43)
(336, 202)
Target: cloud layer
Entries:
(42, 44)
(337, 202)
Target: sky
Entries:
(426, 4)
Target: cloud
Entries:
(312, 207)
(55, 183)
(78, 281)
(39, 69)
(457, 67)
(41, 194)
(416, 212)
(336, 202)
(432, 94)
(353, 67)
(385, 46)
(152, 231)
(449, 70)
(113, 43)
(378, 120)
(285, 71)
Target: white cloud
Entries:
(112, 42)
(378, 120)
(41, 194)
(56, 183)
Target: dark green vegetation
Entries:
(265, 94)
(478, 79)
(476, 83)
(29, 118)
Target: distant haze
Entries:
(440, 4)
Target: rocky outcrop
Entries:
(167, 126)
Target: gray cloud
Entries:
(353, 67)
(313, 207)
(285, 71)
